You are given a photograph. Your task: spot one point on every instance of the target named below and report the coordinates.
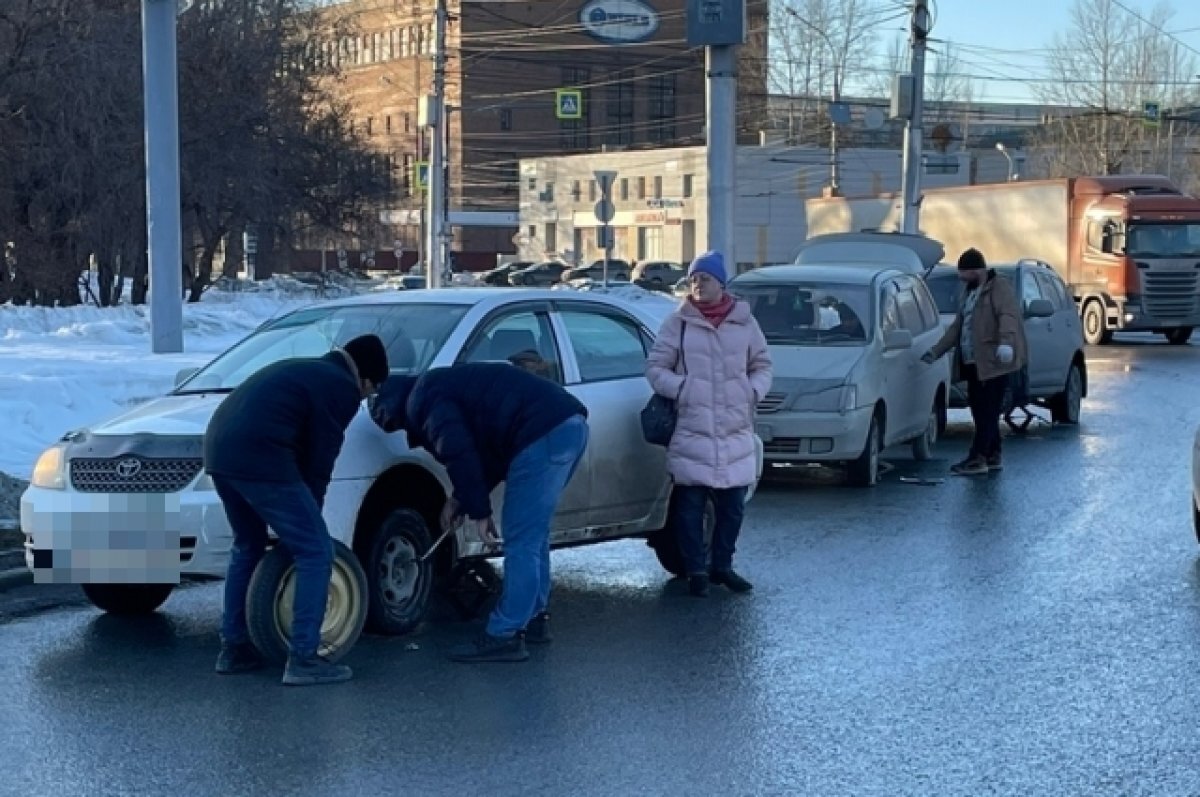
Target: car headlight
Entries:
(50, 472)
(849, 399)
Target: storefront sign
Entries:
(619, 21)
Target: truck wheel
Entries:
(272, 593)
(398, 582)
(1179, 336)
(864, 471)
(665, 541)
(922, 447)
(1095, 324)
(127, 598)
(1065, 406)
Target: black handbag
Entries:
(660, 413)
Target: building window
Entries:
(687, 185)
(576, 191)
(661, 126)
(624, 188)
(551, 242)
(406, 178)
(658, 187)
(574, 134)
(506, 119)
(641, 188)
(619, 122)
(593, 191)
(370, 125)
(407, 123)
(509, 172)
(548, 194)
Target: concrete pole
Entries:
(721, 127)
(161, 100)
(835, 170)
(913, 145)
(436, 112)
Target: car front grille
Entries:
(783, 445)
(132, 474)
(1169, 294)
(772, 402)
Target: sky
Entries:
(1004, 39)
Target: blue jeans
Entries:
(535, 480)
(730, 507)
(291, 511)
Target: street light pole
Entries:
(163, 223)
(1004, 151)
(435, 119)
(912, 130)
(834, 166)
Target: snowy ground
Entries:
(65, 368)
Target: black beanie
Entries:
(369, 357)
(971, 259)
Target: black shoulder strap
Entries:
(682, 332)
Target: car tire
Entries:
(665, 541)
(922, 447)
(1179, 336)
(127, 599)
(864, 471)
(1065, 406)
(1095, 324)
(269, 604)
(398, 582)
(1196, 519)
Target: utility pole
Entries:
(434, 113)
(163, 225)
(913, 144)
(720, 26)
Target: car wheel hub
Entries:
(341, 607)
(399, 571)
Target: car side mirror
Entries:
(1039, 308)
(897, 340)
(184, 375)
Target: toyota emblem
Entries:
(129, 467)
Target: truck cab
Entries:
(1137, 242)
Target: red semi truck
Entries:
(1128, 246)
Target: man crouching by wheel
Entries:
(489, 423)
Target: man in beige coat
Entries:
(990, 341)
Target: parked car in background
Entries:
(1057, 366)
(618, 270)
(846, 326)
(413, 282)
(133, 488)
(499, 276)
(660, 272)
(541, 275)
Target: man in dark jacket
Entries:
(990, 340)
(489, 423)
(270, 450)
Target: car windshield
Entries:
(1163, 240)
(412, 333)
(811, 314)
(947, 291)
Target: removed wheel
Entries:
(864, 471)
(398, 582)
(1065, 406)
(922, 447)
(270, 602)
(127, 598)
(1179, 336)
(1095, 324)
(665, 541)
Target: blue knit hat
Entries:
(710, 263)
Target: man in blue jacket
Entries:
(489, 423)
(270, 450)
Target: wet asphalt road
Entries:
(1033, 633)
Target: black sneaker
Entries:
(732, 580)
(995, 462)
(238, 657)
(314, 670)
(491, 648)
(971, 466)
(538, 630)
(698, 585)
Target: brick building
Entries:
(641, 87)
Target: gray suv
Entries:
(1057, 369)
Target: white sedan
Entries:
(125, 509)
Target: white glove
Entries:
(1004, 353)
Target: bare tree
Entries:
(1109, 63)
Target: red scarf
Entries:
(717, 311)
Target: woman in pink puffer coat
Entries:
(711, 358)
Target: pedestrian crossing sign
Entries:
(421, 175)
(568, 103)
